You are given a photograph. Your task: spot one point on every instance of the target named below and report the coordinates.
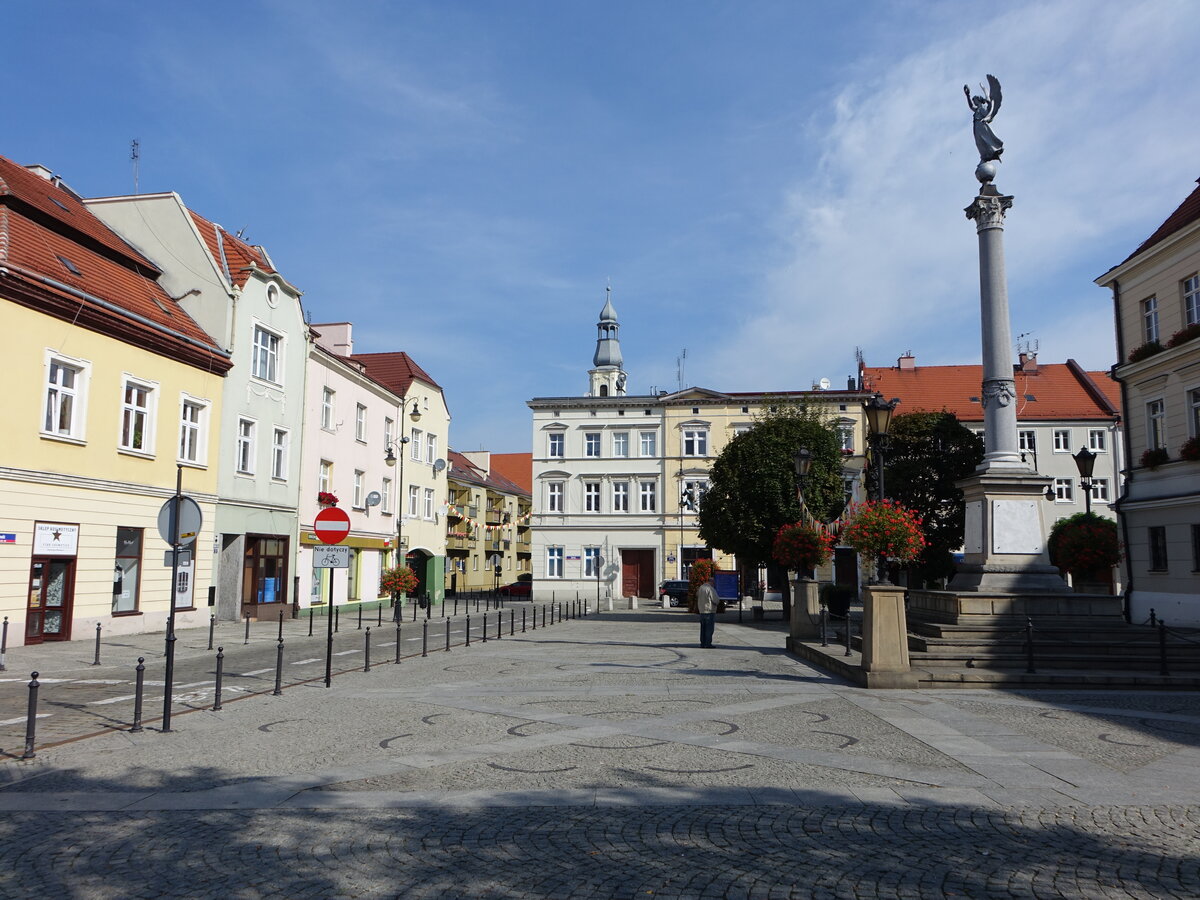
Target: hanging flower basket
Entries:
(397, 580)
(802, 547)
(884, 528)
(327, 499)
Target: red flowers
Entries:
(1084, 543)
(802, 547)
(326, 498)
(884, 528)
(398, 580)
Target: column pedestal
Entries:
(806, 609)
(885, 638)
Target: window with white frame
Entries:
(265, 360)
(389, 428)
(192, 420)
(430, 448)
(358, 488)
(1027, 440)
(416, 445)
(245, 446)
(1097, 440)
(414, 500)
(846, 438)
(649, 496)
(429, 504)
(695, 442)
(385, 505)
(591, 562)
(360, 423)
(620, 496)
(554, 562)
(1062, 440)
(1191, 300)
(620, 444)
(1156, 424)
(1064, 490)
(64, 407)
(137, 418)
(325, 477)
(591, 496)
(554, 497)
(649, 443)
(1100, 490)
(1193, 405)
(692, 495)
(555, 445)
(279, 454)
(327, 411)
(591, 444)
(1150, 319)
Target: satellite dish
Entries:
(824, 382)
(438, 465)
(374, 498)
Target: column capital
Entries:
(988, 209)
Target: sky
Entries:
(765, 186)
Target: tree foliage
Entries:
(752, 487)
(928, 453)
(1084, 543)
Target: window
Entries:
(554, 562)
(245, 446)
(1191, 300)
(620, 497)
(1150, 319)
(695, 442)
(1193, 404)
(191, 431)
(279, 454)
(1062, 440)
(1027, 440)
(1064, 490)
(358, 489)
(1158, 547)
(388, 430)
(591, 562)
(1156, 424)
(846, 438)
(620, 443)
(325, 477)
(430, 448)
(649, 495)
(360, 423)
(414, 500)
(591, 496)
(554, 496)
(327, 398)
(1100, 490)
(64, 415)
(136, 418)
(1097, 440)
(554, 445)
(265, 361)
(416, 446)
(591, 443)
(127, 570)
(385, 505)
(649, 443)
(692, 495)
(429, 503)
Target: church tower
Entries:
(607, 379)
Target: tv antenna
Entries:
(680, 361)
(136, 156)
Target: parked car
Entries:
(522, 587)
(676, 589)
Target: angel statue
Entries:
(985, 108)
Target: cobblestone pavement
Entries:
(612, 757)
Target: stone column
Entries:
(806, 609)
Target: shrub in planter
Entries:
(1155, 457)
(1190, 449)
(1084, 543)
(1183, 335)
(1145, 351)
(802, 547)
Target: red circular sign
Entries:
(332, 525)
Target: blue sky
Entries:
(766, 184)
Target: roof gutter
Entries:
(119, 310)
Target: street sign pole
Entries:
(329, 635)
(332, 525)
(170, 649)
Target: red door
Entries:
(51, 595)
(637, 573)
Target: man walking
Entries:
(706, 605)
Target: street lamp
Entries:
(801, 462)
(1085, 461)
(879, 420)
(390, 459)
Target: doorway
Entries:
(637, 573)
(51, 598)
(264, 574)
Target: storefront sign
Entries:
(51, 539)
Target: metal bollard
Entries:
(425, 638)
(279, 665)
(281, 625)
(137, 695)
(1162, 649)
(220, 669)
(310, 617)
(397, 643)
(414, 606)
(360, 617)
(499, 624)
(447, 635)
(1029, 669)
(485, 628)
(247, 640)
(847, 653)
(456, 604)
(543, 615)
(212, 624)
(31, 718)
(96, 661)
(3, 644)
(379, 617)
(467, 643)
(522, 620)
(367, 650)
(337, 619)
(512, 621)
(824, 623)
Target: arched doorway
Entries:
(417, 559)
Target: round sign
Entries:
(190, 520)
(332, 525)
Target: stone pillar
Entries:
(806, 609)
(885, 630)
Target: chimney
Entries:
(41, 171)
(481, 459)
(336, 337)
(1028, 362)
(907, 362)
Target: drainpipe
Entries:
(1128, 452)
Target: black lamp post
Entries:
(390, 459)
(801, 462)
(1085, 461)
(879, 420)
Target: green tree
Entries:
(752, 484)
(928, 453)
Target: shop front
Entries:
(51, 595)
(265, 576)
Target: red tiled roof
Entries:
(1187, 213)
(1054, 391)
(238, 255)
(516, 467)
(395, 370)
(462, 468)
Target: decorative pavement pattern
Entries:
(610, 756)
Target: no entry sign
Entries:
(332, 525)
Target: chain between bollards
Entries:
(367, 650)
(220, 669)
(139, 684)
(96, 661)
(31, 718)
(425, 637)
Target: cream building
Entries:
(488, 539)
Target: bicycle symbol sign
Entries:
(331, 557)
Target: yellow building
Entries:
(487, 525)
(119, 389)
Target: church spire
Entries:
(607, 378)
